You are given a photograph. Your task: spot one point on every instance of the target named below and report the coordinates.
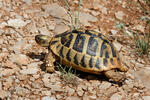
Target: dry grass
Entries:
(68, 75)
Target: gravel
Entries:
(21, 60)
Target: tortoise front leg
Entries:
(49, 62)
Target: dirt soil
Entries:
(22, 76)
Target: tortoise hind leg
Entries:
(49, 60)
(123, 68)
(115, 76)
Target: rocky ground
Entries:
(21, 75)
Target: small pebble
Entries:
(48, 98)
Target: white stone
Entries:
(3, 24)
(95, 13)
(20, 59)
(116, 96)
(146, 97)
(114, 32)
(102, 9)
(48, 98)
(129, 33)
(119, 15)
(46, 93)
(27, 1)
(3, 94)
(7, 72)
(36, 85)
(16, 23)
(54, 87)
(120, 1)
(117, 45)
(27, 46)
(139, 27)
(61, 28)
(44, 31)
(29, 71)
(72, 98)
(76, 1)
(59, 97)
(85, 18)
(21, 91)
(51, 27)
(55, 10)
(70, 91)
(34, 64)
(105, 85)
(80, 93)
(0, 85)
(1, 32)
(17, 47)
(93, 97)
(1, 41)
(143, 75)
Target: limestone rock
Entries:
(116, 96)
(16, 23)
(55, 10)
(119, 15)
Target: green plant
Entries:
(68, 76)
(147, 2)
(74, 17)
(144, 6)
(142, 43)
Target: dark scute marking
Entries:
(68, 55)
(106, 41)
(79, 43)
(112, 49)
(103, 46)
(64, 39)
(53, 42)
(58, 46)
(76, 60)
(82, 62)
(90, 34)
(67, 44)
(97, 63)
(112, 61)
(87, 32)
(92, 46)
(106, 54)
(90, 63)
(77, 31)
(99, 35)
(105, 62)
(61, 52)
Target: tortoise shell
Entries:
(85, 50)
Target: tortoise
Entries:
(84, 50)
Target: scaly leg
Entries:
(49, 62)
(115, 76)
(123, 68)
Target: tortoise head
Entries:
(43, 40)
